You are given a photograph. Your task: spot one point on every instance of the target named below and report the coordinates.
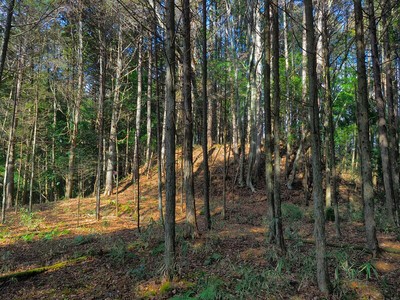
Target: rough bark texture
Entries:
(6, 37)
(170, 183)
(188, 120)
(363, 132)
(319, 225)
(276, 101)
(267, 120)
(205, 115)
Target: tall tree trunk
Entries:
(148, 114)
(382, 126)
(276, 119)
(392, 113)
(363, 132)
(138, 113)
(319, 225)
(76, 110)
(102, 81)
(330, 166)
(33, 157)
(170, 181)
(8, 185)
(188, 120)
(205, 115)
(116, 109)
(267, 120)
(6, 37)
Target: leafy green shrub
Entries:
(330, 214)
(83, 239)
(291, 212)
(138, 273)
(119, 253)
(212, 259)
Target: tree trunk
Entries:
(116, 109)
(102, 80)
(205, 115)
(6, 37)
(188, 120)
(33, 157)
(319, 225)
(148, 115)
(382, 126)
(276, 119)
(170, 182)
(76, 110)
(363, 132)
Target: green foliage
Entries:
(83, 239)
(54, 233)
(213, 258)
(291, 212)
(138, 273)
(119, 253)
(28, 237)
(166, 287)
(368, 269)
(330, 214)
(30, 220)
(159, 249)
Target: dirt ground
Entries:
(111, 259)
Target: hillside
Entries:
(68, 255)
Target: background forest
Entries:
(196, 128)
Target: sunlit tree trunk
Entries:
(75, 110)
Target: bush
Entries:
(330, 214)
(291, 212)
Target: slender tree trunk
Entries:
(205, 115)
(382, 126)
(159, 146)
(138, 114)
(116, 109)
(102, 79)
(170, 181)
(276, 119)
(148, 115)
(188, 120)
(76, 110)
(267, 120)
(319, 225)
(33, 157)
(6, 37)
(392, 113)
(363, 132)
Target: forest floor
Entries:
(69, 255)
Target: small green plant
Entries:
(119, 253)
(28, 237)
(29, 219)
(166, 287)
(291, 212)
(83, 239)
(368, 269)
(213, 258)
(138, 273)
(54, 233)
(158, 250)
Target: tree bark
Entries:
(382, 125)
(319, 225)
(188, 120)
(205, 115)
(6, 37)
(69, 184)
(170, 181)
(363, 132)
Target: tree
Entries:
(363, 132)
(188, 120)
(205, 115)
(319, 225)
(6, 37)
(170, 183)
